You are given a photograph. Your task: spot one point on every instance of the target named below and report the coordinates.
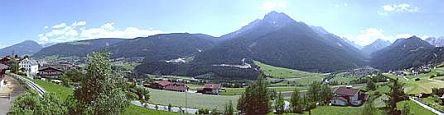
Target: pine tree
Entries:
(396, 94)
(256, 98)
(370, 84)
(295, 102)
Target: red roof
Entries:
(345, 91)
(212, 86)
(163, 83)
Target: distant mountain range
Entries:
(407, 53)
(276, 39)
(375, 46)
(24, 48)
(438, 42)
(77, 48)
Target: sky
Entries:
(361, 21)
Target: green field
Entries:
(63, 92)
(58, 90)
(415, 109)
(431, 102)
(239, 91)
(136, 110)
(424, 85)
(280, 72)
(191, 100)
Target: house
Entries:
(344, 96)
(3, 68)
(50, 72)
(5, 60)
(29, 66)
(213, 89)
(167, 85)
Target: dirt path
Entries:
(12, 88)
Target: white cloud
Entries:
(269, 5)
(397, 8)
(78, 31)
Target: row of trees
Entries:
(256, 99)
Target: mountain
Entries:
(375, 46)
(163, 46)
(281, 41)
(24, 48)
(438, 42)
(276, 40)
(406, 53)
(77, 48)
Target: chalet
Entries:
(213, 89)
(29, 66)
(344, 96)
(50, 72)
(167, 85)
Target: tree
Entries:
(256, 98)
(295, 102)
(279, 104)
(31, 103)
(229, 109)
(371, 84)
(406, 110)
(314, 92)
(102, 91)
(369, 109)
(325, 94)
(308, 104)
(51, 105)
(14, 65)
(72, 75)
(143, 95)
(25, 104)
(396, 94)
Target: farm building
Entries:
(212, 89)
(50, 72)
(344, 96)
(167, 85)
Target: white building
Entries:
(30, 67)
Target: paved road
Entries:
(30, 84)
(426, 106)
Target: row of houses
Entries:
(212, 89)
(34, 68)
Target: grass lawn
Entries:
(415, 109)
(280, 72)
(239, 91)
(136, 110)
(58, 90)
(194, 100)
(430, 101)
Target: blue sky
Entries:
(361, 21)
